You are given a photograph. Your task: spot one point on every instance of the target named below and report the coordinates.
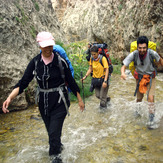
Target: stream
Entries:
(112, 135)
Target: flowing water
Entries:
(112, 135)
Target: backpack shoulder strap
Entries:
(61, 67)
(109, 60)
(136, 54)
(151, 57)
(100, 60)
(36, 59)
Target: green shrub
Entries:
(158, 44)
(116, 65)
(23, 19)
(120, 7)
(1, 18)
(117, 69)
(75, 52)
(17, 19)
(33, 31)
(37, 7)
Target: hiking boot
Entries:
(151, 124)
(151, 117)
(102, 104)
(57, 159)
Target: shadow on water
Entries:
(112, 135)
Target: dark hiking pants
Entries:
(54, 124)
(101, 93)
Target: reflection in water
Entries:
(113, 135)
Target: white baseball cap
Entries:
(45, 39)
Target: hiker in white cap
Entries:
(51, 72)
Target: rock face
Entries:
(20, 21)
(117, 23)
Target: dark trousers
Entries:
(54, 123)
(101, 93)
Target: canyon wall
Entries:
(116, 22)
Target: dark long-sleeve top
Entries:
(50, 73)
(48, 76)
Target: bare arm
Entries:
(161, 61)
(88, 72)
(123, 75)
(7, 102)
(80, 102)
(106, 74)
(104, 85)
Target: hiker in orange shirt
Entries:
(99, 77)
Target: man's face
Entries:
(47, 51)
(142, 48)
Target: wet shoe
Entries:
(151, 124)
(102, 104)
(151, 117)
(56, 159)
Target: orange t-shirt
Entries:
(98, 69)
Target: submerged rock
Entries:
(35, 117)
(2, 132)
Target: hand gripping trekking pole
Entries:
(82, 87)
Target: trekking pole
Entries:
(83, 87)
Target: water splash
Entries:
(110, 135)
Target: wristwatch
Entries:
(105, 81)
